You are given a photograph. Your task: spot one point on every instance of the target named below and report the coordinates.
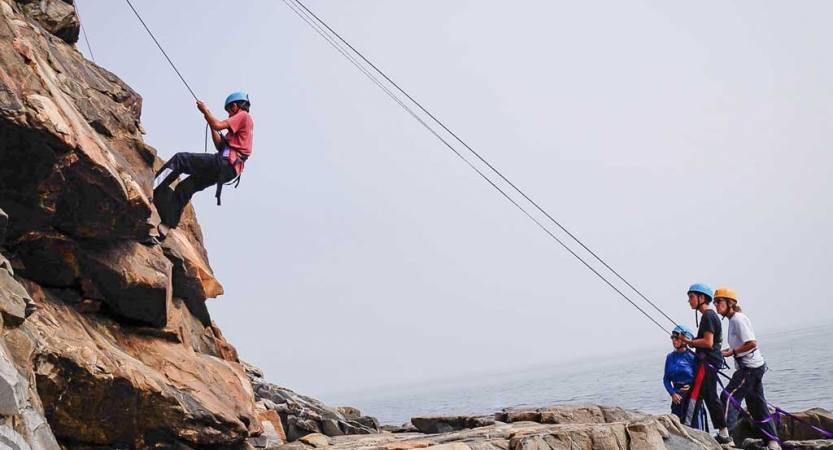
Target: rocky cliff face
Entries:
(120, 351)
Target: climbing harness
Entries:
(241, 158)
(773, 417)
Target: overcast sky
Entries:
(683, 143)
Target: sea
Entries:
(800, 378)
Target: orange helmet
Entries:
(725, 292)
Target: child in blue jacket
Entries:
(679, 375)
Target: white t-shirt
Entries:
(740, 331)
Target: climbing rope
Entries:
(162, 50)
(84, 31)
(313, 20)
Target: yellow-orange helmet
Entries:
(725, 292)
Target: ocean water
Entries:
(800, 377)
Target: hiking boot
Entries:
(723, 439)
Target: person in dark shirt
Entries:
(709, 360)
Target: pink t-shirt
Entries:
(239, 137)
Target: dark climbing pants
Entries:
(203, 169)
(747, 384)
(705, 390)
(680, 409)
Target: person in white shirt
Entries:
(747, 381)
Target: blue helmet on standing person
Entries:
(700, 288)
(241, 99)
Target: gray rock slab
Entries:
(13, 299)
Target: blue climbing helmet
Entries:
(237, 97)
(702, 289)
(684, 330)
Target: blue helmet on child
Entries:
(702, 289)
(684, 330)
(237, 97)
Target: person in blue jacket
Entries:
(679, 374)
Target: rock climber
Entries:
(679, 375)
(747, 381)
(205, 169)
(709, 360)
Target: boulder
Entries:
(315, 440)
(49, 258)
(103, 384)
(791, 429)
(330, 427)
(406, 427)
(273, 435)
(447, 424)
(302, 415)
(274, 420)
(134, 280)
(349, 412)
(572, 414)
(193, 277)
(371, 423)
(568, 414)
(13, 299)
(56, 16)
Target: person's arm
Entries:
(213, 122)
(218, 140)
(707, 341)
(666, 377)
(745, 347)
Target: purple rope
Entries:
(774, 417)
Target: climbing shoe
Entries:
(723, 439)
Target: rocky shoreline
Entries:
(108, 343)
